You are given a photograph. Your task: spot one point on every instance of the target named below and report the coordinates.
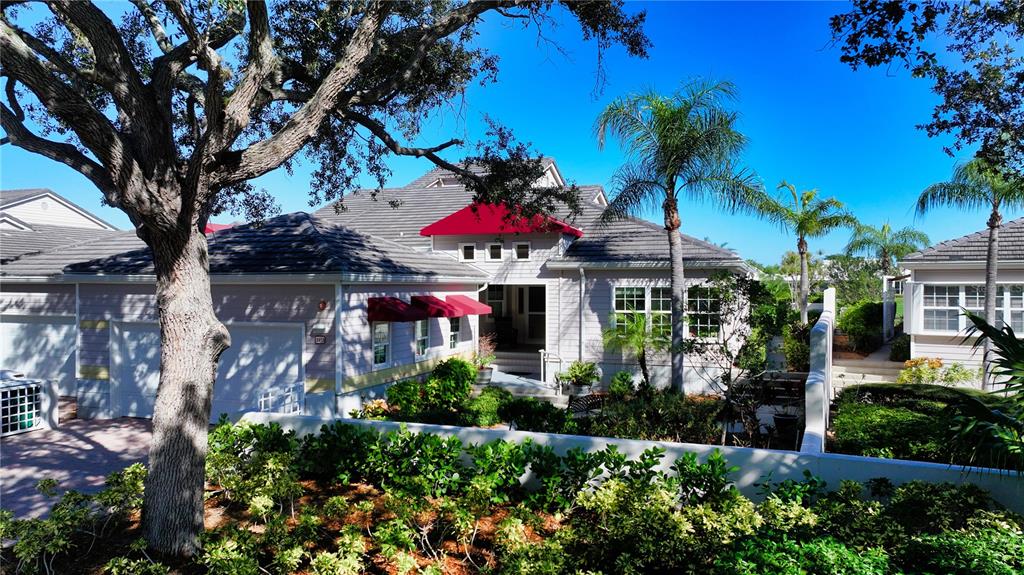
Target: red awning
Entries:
(212, 227)
(436, 307)
(469, 305)
(393, 309)
(494, 219)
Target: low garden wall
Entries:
(819, 380)
(754, 464)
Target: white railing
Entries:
(818, 388)
(545, 356)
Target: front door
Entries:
(534, 314)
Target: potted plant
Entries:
(483, 357)
(581, 375)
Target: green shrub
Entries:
(497, 466)
(900, 348)
(581, 373)
(560, 478)
(449, 384)
(658, 416)
(796, 346)
(518, 555)
(532, 414)
(929, 370)
(419, 464)
(916, 429)
(336, 453)
(621, 385)
(128, 566)
(862, 323)
(408, 397)
(484, 409)
(761, 556)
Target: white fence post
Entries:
(818, 389)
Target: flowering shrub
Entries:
(930, 370)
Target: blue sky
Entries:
(809, 118)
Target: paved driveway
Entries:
(79, 454)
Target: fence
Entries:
(817, 390)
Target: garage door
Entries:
(41, 347)
(261, 357)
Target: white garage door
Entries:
(41, 347)
(261, 357)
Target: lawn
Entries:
(351, 501)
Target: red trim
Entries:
(469, 305)
(392, 309)
(212, 227)
(495, 219)
(436, 307)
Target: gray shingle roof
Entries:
(400, 213)
(974, 247)
(12, 196)
(297, 243)
(45, 251)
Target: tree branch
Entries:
(159, 34)
(262, 64)
(231, 167)
(18, 135)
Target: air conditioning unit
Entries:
(21, 406)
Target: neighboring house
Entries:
(23, 209)
(327, 310)
(949, 277)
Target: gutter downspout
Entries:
(583, 293)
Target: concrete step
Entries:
(868, 363)
(550, 396)
(867, 370)
(854, 379)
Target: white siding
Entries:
(49, 211)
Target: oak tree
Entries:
(171, 107)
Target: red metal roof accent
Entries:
(393, 309)
(436, 307)
(469, 305)
(212, 227)
(494, 219)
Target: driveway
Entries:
(79, 454)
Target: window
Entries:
(467, 252)
(1011, 300)
(496, 299)
(422, 337)
(381, 343)
(941, 307)
(974, 299)
(629, 300)
(494, 252)
(521, 250)
(453, 337)
(703, 312)
(661, 312)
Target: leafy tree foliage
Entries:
(978, 74)
(884, 244)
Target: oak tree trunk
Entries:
(191, 342)
(991, 293)
(678, 287)
(801, 247)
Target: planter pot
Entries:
(484, 374)
(785, 423)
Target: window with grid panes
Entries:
(422, 337)
(381, 343)
(661, 312)
(453, 335)
(629, 300)
(703, 312)
(1011, 300)
(941, 310)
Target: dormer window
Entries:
(467, 252)
(446, 182)
(521, 250)
(494, 252)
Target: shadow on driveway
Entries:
(79, 455)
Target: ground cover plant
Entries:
(907, 421)
(349, 500)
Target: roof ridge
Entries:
(318, 221)
(75, 244)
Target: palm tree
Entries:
(680, 145)
(629, 333)
(807, 216)
(979, 185)
(884, 244)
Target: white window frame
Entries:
(693, 294)
(454, 331)
(960, 299)
(644, 296)
(419, 338)
(1005, 308)
(462, 252)
(660, 312)
(374, 344)
(501, 252)
(515, 251)
(491, 301)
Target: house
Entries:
(328, 309)
(949, 277)
(24, 209)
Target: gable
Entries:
(50, 209)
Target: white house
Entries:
(949, 277)
(328, 309)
